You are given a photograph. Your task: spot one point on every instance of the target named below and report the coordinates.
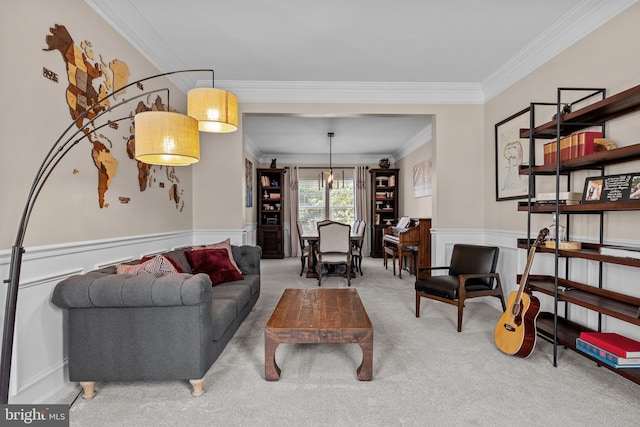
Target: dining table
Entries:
(311, 237)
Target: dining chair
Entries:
(334, 247)
(303, 247)
(356, 251)
(324, 221)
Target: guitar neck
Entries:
(527, 268)
(532, 251)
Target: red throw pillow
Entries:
(215, 263)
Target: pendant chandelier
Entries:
(330, 175)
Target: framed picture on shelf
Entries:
(612, 188)
(512, 152)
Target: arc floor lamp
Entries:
(161, 138)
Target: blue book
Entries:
(601, 355)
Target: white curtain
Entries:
(360, 178)
(293, 213)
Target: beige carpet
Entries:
(424, 374)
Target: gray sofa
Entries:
(139, 328)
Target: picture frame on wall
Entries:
(511, 152)
(248, 175)
(422, 179)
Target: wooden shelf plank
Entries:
(609, 303)
(590, 251)
(609, 108)
(601, 158)
(582, 208)
(568, 331)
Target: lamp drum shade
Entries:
(166, 138)
(216, 110)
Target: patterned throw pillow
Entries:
(226, 244)
(215, 263)
(158, 266)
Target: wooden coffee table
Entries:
(311, 316)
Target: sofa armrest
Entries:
(97, 289)
(248, 258)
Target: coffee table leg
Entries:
(365, 370)
(271, 369)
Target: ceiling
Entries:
(410, 51)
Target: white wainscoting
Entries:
(39, 368)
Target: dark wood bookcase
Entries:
(561, 330)
(384, 205)
(271, 200)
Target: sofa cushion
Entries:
(252, 281)
(223, 313)
(215, 263)
(234, 291)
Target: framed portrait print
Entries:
(248, 175)
(422, 179)
(512, 152)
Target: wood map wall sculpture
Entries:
(89, 81)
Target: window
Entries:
(316, 204)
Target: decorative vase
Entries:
(384, 163)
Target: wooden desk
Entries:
(311, 236)
(312, 316)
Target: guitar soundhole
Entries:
(509, 327)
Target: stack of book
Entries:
(610, 348)
(576, 145)
(564, 198)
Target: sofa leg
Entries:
(89, 391)
(198, 389)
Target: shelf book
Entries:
(604, 360)
(619, 345)
(615, 361)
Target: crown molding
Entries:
(573, 26)
(353, 92)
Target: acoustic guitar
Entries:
(515, 332)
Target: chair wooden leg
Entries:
(417, 304)
(460, 310)
(393, 260)
(302, 262)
